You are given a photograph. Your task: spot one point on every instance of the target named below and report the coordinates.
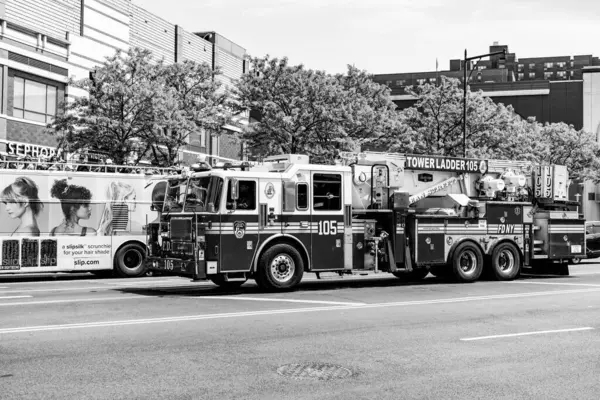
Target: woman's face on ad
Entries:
(15, 210)
(130, 200)
(84, 211)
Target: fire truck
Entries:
(408, 215)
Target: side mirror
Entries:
(235, 188)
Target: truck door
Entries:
(327, 227)
(295, 213)
(239, 226)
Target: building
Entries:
(46, 43)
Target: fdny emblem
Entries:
(517, 210)
(239, 228)
(270, 190)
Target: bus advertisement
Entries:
(60, 221)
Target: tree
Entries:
(138, 107)
(311, 112)
(434, 125)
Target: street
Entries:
(373, 337)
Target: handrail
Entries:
(80, 167)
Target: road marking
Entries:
(3, 287)
(14, 297)
(556, 283)
(526, 334)
(346, 303)
(25, 303)
(199, 317)
(132, 286)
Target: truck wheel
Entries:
(416, 274)
(220, 281)
(129, 261)
(280, 267)
(575, 260)
(467, 262)
(505, 262)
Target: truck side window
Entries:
(302, 196)
(246, 196)
(327, 192)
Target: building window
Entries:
(421, 81)
(34, 101)
(521, 76)
(481, 67)
(561, 64)
(561, 74)
(532, 66)
(400, 82)
(532, 75)
(548, 65)
(548, 75)
(388, 83)
(327, 192)
(520, 67)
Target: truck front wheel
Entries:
(280, 268)
(467, 262)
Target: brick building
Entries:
(45, 43)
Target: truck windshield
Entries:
(197, 194)
(175, 195)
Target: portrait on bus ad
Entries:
(55, 205)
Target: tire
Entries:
(280, 268)
(575, 260)
(505, 263)
(415, 275)
(129, 261)
(467, 262)
(220, 281)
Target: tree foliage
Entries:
(140, 108)
(311, 112)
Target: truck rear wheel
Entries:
(505, 262)
(467, 262)
(129, 261)
(280, 268)
(220, 281)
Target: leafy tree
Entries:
(434, 125)
(138, 107)
(311, 112)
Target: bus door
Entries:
(239, 225)
(327, 221)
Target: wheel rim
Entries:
(576, 260)
(468, 262)
(283, 268)
(506, 261)
(132, 259)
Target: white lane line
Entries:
(3, 287)
(14, 297)
(587, 328)
(99, 299)
(346, 303)
(199, 317)
(555, 283)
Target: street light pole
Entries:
(464, 122)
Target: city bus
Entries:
(67, 217)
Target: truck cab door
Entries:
(239, 225)
(327, 221)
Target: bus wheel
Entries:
(280, 268)
(220, 281)
(467, 262)
(416, 274)
(129, 261)
(506, 262)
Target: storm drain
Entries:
(317, 371)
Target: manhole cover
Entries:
(319, 371)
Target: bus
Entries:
(67, 217)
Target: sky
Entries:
(390, 36)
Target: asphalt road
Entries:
(76, 337)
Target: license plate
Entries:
(575, 248)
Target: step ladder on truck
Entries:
(408, 215)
